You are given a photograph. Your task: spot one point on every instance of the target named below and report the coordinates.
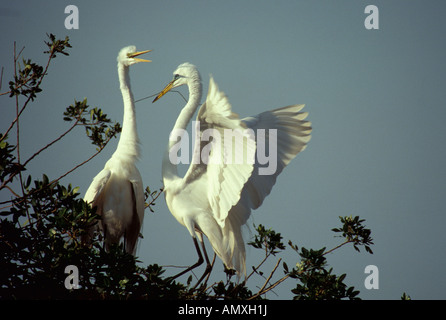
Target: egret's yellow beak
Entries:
(165, 90)
(135, 54)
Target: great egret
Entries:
(117, 190)
(216, 200)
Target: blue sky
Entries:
(375, 98)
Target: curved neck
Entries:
(128, 144)
(169, 169)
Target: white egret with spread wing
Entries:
(215, 199)
(117, 190)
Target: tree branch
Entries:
(16, 57)
(262, 291)
(152, 202)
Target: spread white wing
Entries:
(292, 133)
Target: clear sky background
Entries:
(376, 99)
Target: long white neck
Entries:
(169, 169)
(128, 145)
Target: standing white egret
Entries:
(216, 200)
(117, 190)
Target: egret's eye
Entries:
(176, 77)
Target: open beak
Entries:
(133, 55)
(165, 90)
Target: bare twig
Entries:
(81, 164)
(337, 247)
(15, 61)
(152, 202)
(16, 57)
(1, 81)
(270, 287)
(262, 289)
(38, 152)
(12, 191)
(18, 132)
(62, 176)
(261, 263)
(153, 95)
(51, 143)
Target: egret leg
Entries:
(212, 266)
(209, 266)
(198, 263)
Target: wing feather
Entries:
(138, 191)
(96, 186)
(135, 224)
(293, 134)
(225, 175)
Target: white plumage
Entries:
(117, 190)
(216, 199)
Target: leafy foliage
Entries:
(316, 282)
(354, 232)
(405, 297)
(267, 239)
(97, 125)
(27, 81)
(7, 165)
(57, 46)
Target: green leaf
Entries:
(285, 267)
